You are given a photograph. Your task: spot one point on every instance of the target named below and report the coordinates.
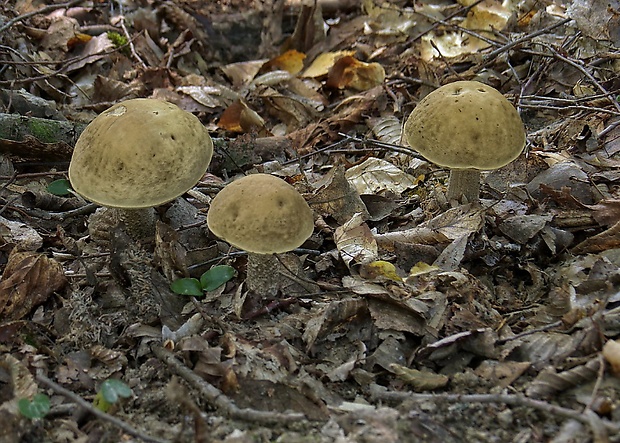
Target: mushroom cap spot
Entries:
(140, 153)
(466, 125)
(261, 213)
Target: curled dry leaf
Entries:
(323, 63)
(355, 241)
(21, 235)
(21, 381)
(548, 383)
(28, 280)
(291, 61)
(350, 73)
(376, 175)
(238, 117)
(337, 197)
(420, 380)
(608, 239)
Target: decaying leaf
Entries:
(608, 239)
(19, 234)
(348, 72)
(522, 228)
(337, 198)
(335, 312)
(447, 226)
(238, 117)
(379, 270)
(20, 380)
(28, 280)
(323, 63)
(549, 382)
(420, 380)
(355, 242)
(170, 254)
(291, 61)
(376, 175)
(501, 373)
(606, 212)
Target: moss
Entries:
(119, 41)
(45, 131)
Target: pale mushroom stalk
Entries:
(265, 216)
(464, 183)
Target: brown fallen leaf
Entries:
(29, 278)
(608, 239)
(291, 61)
(420, 380)
(350, 73)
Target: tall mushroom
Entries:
(466, 126)
(138, 154)
(263, 215)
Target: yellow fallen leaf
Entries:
(378, 269)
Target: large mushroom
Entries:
(466, 126)
(263, 215)
(139, 154)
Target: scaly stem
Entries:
(140, 223)
(464, 183)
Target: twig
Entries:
(217, 398)
(381, 145)
(98, 412)
(544, 328)
(584, 71)
(43, 10)
(508, 399)
(132, 48)
(490, 56)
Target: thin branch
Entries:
(490, 56)
(97, 412)
(43, 10)
(508, 399)
(217, 398)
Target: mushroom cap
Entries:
(140, 153)
(261, 213)
(466, 125)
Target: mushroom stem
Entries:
(464, 183)
(260, 272)
(139, 223)
(266, 274)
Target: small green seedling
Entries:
(60, 187)
(119, 41)
(110, 392)
(38, 407)
(209, 281)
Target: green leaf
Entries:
(35, 408)
(216, 277)
(112, 389)
(187, 286)
(59, 187)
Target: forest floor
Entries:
(408, 317)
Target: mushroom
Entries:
(263, 215)
(466, 126)
(138, 154)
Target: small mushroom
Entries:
(263, 215)
(466, 126)
(138, 154)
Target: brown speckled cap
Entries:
(466, 125)
(261, 213)
(140, 153)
